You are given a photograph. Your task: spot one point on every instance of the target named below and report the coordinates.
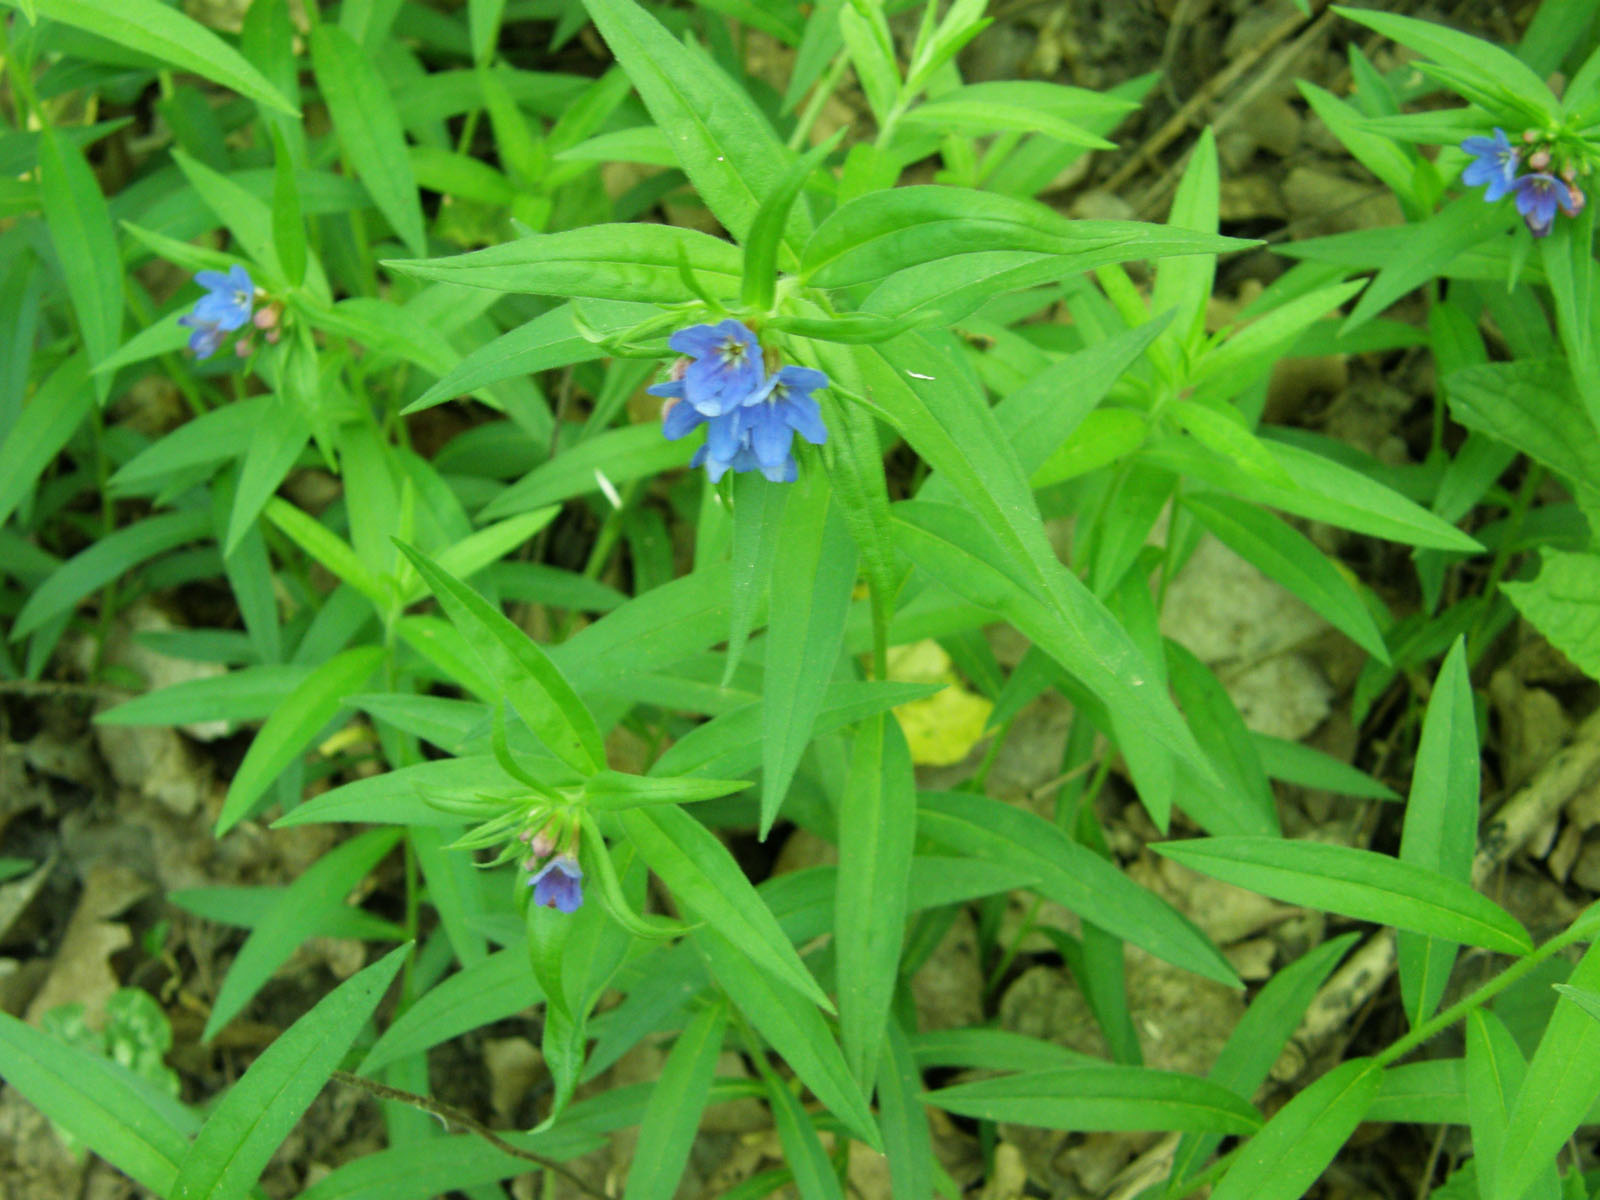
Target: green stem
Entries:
(1448, 1017)
(817, 101)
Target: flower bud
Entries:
(1539, 159)
(266, 318)
(243, 348)
(543, 846)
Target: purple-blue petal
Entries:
(724, 435)
(671, 388)
(802, 379)
(679, 421)
(695, 340)
(213, 281)
(559, 885)
(770, 435)
(805, 418)
(239, 280)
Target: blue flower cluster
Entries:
(226, 306)
(750, 416)
(1539, 193)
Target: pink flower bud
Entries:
(266, 318)
(1530, 135)
(542, 846)
(243, 348)
(272, 336)
(1539, 159)
(679, 369)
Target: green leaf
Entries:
(1428, 251)
(50, 417)
(85, 244)
(813, 1174)
(1492, 69)
(620, 455)
(877, 827)
(811, 584)
(1288, 556)
(135, 1128)
(1530, 404)
(1356, 883)
(299, 913)
(369, 130)
(1562, 1082)
(288, 224)
(638, 262)
(704, 878)
(1305, 766)
(1115, 1098)
(271, 455)
(1495, 1070)
(150, 27)
(677, 1099)
(258, 1112)
(283, 738)
(612, 790)
(1070, 874)
(493, 989)
(1184, 284)
(1292, 1149)
(726, 147)
(1260, 1036)
(793, 1027)
(1323, 490)
(322, 544)
(1073, 627)
(757, 518)
(550, 340)
(883, 232)
(907, 1140)
(210, 438)
(247, 694)
(1027, 106)
(533, 685)
(1563, 603)
(766, 231)
(1441, 822)
(112, 556)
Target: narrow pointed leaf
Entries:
(258, 1112)
(1356, 883)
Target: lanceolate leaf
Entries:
(812, 578)
(1281, 1161)
(1562, 1082)
(705, 879)
(1357, 883)
(667, 1132)
(298, 913)
(258, 1112)
(1071, 874)
(369, 130)
(728, 150)
(534, 686)
(86, 245)
(134, 1127)
(1103, 1098)
(877, 826)
(291, 727)
(1441, 825)
(163, 32)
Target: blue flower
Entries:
(1537, 198)
(782, 408)
(207, 335)
(225, 307)
(726, 369)
(1494, 163)
(559, 885)
(228, 299)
